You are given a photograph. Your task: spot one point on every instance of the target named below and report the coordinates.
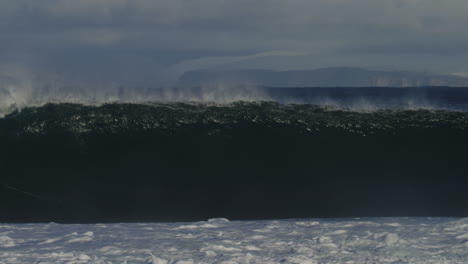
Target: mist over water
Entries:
(376, 98)
(20, 94)
(365, 104)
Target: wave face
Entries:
(181, 161)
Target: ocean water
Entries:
(294, 241)
(180, 161)
(345, 175)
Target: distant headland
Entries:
(324, 77)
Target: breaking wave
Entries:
(243, 160)
(204, 118)
(12, 98)
(356, 99)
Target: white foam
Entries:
(196, 226)
(6, 242)
(405, 240)
(252, 248)
(462, 236)
(218, 220)
(51, 240)
(222, 248)
(80, 239)
(210, 253)
(157, 260)
(337, 233)
(228, 262)
(391, 239)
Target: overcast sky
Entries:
(152, 42)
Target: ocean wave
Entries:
(354, 99)
(77, 119)
(244, 160)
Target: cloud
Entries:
(146, 41)
(210, 62)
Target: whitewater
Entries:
(294, 241)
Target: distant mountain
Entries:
(326, 77)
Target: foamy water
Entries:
(370, 240)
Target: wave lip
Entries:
(353, 98)
(79, 120)
(12, 97)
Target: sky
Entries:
(152, 42)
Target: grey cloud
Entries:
(146, 41)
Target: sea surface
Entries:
(299, 153)
(294, 241)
